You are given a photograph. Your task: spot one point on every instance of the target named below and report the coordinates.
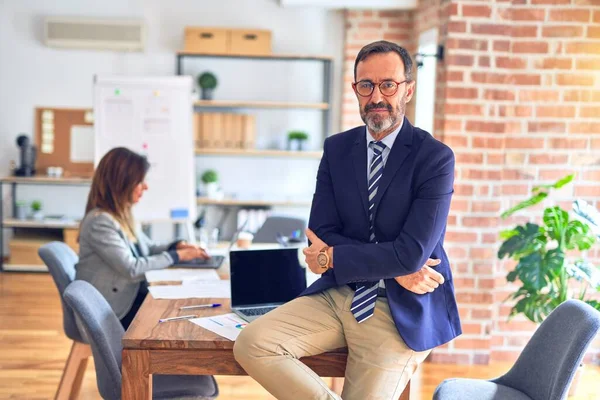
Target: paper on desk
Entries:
(199, 289)
(181, 274)
(227, 325)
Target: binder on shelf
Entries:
(224, 131)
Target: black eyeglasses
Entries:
(387, 87)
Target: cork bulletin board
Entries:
(64, 138)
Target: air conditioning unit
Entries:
(95, 33)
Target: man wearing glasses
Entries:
(376, 233)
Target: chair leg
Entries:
(72, 377)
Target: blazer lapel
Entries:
(359, 161)
(398, 154)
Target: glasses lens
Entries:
(388, 88)
(364, 88)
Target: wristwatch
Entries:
(323, 258)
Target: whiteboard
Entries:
(151, 116)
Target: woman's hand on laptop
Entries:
(192, 252)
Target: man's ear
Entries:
(410, 90)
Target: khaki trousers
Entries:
(379, 362)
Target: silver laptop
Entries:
(262, 280)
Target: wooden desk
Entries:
(183, 348)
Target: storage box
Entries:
(200, 40)
(251, 42)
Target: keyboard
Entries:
(213, 262)
(257, 311)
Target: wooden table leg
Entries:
(137, 380)
(406, 393)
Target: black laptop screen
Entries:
(266, 276)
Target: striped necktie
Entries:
(365, 296)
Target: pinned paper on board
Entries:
(64, 137)
(82, 144)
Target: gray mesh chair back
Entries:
(104, 331)
(267, 233)
(547, 364)
(60, 260)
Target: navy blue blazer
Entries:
(411, 210)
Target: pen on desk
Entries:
(201, 306)
(177, 318)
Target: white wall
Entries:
(34, 75)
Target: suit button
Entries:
(115, 290)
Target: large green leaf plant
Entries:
(549, 258)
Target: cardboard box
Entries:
(200, 40)
(253, 42)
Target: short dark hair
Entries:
(383, 46)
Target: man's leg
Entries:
(379, 362)
(269, 347)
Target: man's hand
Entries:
(310, 253)
(424, 281)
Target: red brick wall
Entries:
(518, 100)
(525, 111)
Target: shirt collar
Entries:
(389, 139)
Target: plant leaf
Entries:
(507, 234)
(554, 261)
(537, 198)
(556, 219)
(556, 185)
(578, 236)
(534, 305)
(532, 272)
(583, 270)
(527, 240)
(512, 275)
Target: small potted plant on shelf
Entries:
(210, 179)
(550, 267)
(36, 210)
(297, 140)
(207, 82)
(20, 210)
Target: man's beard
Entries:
(379, 124)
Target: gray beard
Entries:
(386, 123)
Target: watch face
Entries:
(322, 259)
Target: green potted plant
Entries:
(549, 258)
(207, 82)
(210, 179)
(297, 140)
(36, 210)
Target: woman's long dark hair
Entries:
(115, 178)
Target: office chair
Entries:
(105, 334)
(268, 232)
(545, 367)
(60, 260)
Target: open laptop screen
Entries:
(266, 276)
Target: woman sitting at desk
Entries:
(113, 256)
